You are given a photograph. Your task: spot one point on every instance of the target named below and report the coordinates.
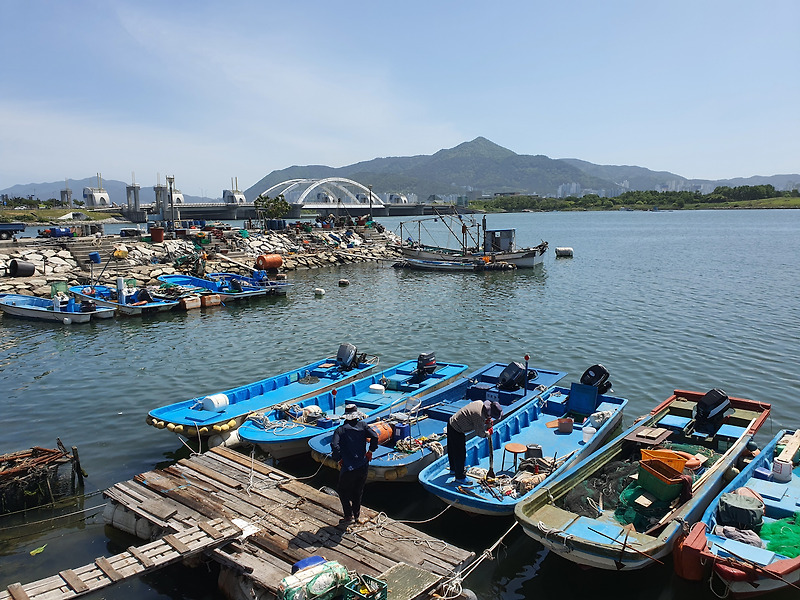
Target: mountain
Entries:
(116, 191)
(472, 168)
(476, 165)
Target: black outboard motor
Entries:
(512, 377)
(426, 364)
(597, 375)
(347, 357)
(710, 411)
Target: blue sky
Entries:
(207, 91)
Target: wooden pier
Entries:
(256, 521)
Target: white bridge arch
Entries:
(330, 192)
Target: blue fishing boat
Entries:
(285, 431)
(418, 433)
(259, 280)
(60, 310)
(226, 289)
(538, 441)
(124, 300)
(625, 506)
(748, 541)
(222, 412)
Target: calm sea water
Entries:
(664, 300)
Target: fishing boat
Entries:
(554, 430)
(230, 289)
(413, 438)
(625, 506)
(436, 265)
(125, 300)
(286, 430)
(59, 309)
(748, 540)
(259, 279)
(222, 412)
(495, 246)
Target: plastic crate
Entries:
(661, 480)
(668, 457)
(353, 590)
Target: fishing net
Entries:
(783, 536)
(642, 515)
(711, 456)
(601, 490)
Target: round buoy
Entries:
(319, 292)
(564, 252)
(343, 282)
(67, 321)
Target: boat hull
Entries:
(527, 258)
(41, 309)
(602, 541)
(101, 295)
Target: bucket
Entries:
(781, 470)
(401, 432)
(533, 451)
(157, 234)
(95, 257)
(383, 430)
(20, 268)
(588, 432)
(565, 424)
(215, 402)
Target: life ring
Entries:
(692, 462)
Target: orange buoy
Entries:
(269, 261)
(383, 430)
(692, 462)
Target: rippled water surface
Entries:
(664, 300)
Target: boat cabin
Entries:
(499, 240)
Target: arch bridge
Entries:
(329, 195)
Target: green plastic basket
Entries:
(353, 590)
(661, 480)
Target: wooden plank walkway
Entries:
(136, 560)
(284, 520)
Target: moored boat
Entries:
(748, 540)
(437, 265)
(259, 280)
(624, 506)
(419, 432)
(222, 412)
(124, 300)
(537, 442)
(285, 430)
(59, 310)
(226, 289)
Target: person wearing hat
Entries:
(477, 416)
(349, 448)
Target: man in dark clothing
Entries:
(477, 416)
(348, 446)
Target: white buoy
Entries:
(564, 252)
(319, 292)
(67, 321)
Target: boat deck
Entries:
(284, 520)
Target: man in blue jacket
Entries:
(349, 447)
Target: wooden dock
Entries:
(264, 521)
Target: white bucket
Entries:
(782, 470)
(376, 388)
(588, 432)
(215, 402)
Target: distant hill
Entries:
(116, 191)
(476, 167)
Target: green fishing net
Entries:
(585, 498)
(783, 536)
(642, 517)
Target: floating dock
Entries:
(256, 522)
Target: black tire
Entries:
(4, 235)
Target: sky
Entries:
(209, 91)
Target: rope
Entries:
(28, 523)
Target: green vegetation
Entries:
(31, 210)
(746, 196)
(271, 208)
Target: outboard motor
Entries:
(597, 376)
(347, 357)
(710, 411)
(426, 363)
(512, 377)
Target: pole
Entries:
(171, 180)
(527, 358)
(370, 202)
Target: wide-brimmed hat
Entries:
(493, 409)
(351, 413)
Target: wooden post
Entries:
(76, 466)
